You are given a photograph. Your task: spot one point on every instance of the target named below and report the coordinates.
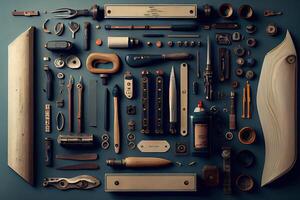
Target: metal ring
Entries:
(60, 118)
(244, 182)
(60, 75)
(130, 137)
(105, 137)
(239, 51)
(131, 145)
(251, 42)
(105, 144)
(229, 135)
(59, 63)
(247, 135)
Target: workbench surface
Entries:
(13, 187)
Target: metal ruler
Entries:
(150, 182)
(178, 11)
(184, 99)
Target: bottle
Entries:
(200, 129)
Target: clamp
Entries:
(95, 58)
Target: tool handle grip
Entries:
(184, 27)
(84, 12)
(177, 56)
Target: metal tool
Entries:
(116, 95)
(68, 13)
(74, 28)
(44, 26)
(145, 102)
(47, 118)
(48, 143)
(153, 146)
(79, 87)
(70, 102)
(86, 35)
(184, 36)
(224, 64)
(60, 121)
(269, 13)
(79, 140)
(59, 28)
(232, 113)
(106, 112)
(151, 182)
(83, 182)
(139, 162)
(27, 13)
(96, 58)
(173, 27)
(128, 85)
(159, 102)
(49, 83)
(150, 11)
(172, 102)
(59, 45)
(184, 93)
(226, 155)
(78, 157)
(82, 166)
(140, 60)
(225, 25)
(208, 74)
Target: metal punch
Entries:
(68, 13)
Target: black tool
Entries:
(68, 13)
(48, 152)
(58, 45)
(139, 60)
(86, 36)
(174, 27)
(106, 111)
(49, 83)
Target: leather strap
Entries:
(159, 101)
(145, 102)
(184, 99)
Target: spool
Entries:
(247, 135)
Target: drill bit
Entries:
(172, 102)
(208, 74)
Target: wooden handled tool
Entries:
(116, 94)
(137, 162)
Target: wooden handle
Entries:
(146, 162)
(116, 126)
(95, 58)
